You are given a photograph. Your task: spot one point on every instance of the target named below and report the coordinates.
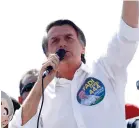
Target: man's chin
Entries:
(67, 59)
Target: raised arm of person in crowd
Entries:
(123, 45)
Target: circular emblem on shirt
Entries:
(91, 92)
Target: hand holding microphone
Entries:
(48, 70)
(46, 75)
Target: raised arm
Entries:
(123, 45)
(130, 13)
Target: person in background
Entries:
(131, 111)
(137, 85)
(26, 84)
(16, 106)
(132, 116)
(7, 109)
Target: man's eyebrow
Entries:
(6, 110)
(69, 34)
(51, 37)
(54, 37)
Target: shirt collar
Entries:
(83, 67)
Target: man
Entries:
(26, 84)
(62, 107)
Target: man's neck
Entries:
(67, 71)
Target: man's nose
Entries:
(62, 43)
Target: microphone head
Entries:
(61, 53)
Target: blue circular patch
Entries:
(91, 92)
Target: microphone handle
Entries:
(61, 53)
(48, 70)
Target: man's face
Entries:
(65, 37)
(22, 98)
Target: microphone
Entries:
(61, 53)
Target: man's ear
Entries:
(46, 54)
(20, 100)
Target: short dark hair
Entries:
(79, 32)
(32, 72)
(27, 88)
(15, 104)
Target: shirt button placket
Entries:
(75, 105)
